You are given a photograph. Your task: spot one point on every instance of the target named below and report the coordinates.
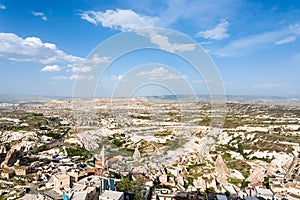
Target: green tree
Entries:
(244, 184)
(227, 193)
(133, 186)
(267, 182)
(210, 190)
(241, 149)
(124, 185)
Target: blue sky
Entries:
(254, 44)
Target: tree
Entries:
(227, 193)
(210, 190)
(267, 182)
(135, 186)
(124, 185)
(241, 149)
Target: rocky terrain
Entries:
(256, 141)
(176, 144)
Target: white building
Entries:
(111, 195)
(263, 192)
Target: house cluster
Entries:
(74, 182)
(229, 192)
(285, 187)
(87, 188)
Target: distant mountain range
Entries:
(25, 99)
(237, 99)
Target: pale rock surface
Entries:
(3, 149)
(9, 136)
(278, 163)
(13, 154)
(212, 184)
(221, 171)
(200, 183)
(221, 167)
(136, 154)
(253, 129)
(236, 174)
(257, 176)
(74, 141)
(11, 157)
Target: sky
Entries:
(254, 44)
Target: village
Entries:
(149, 149)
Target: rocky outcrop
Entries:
(136, 155)
(257, 176)
(292, 168)
(273, 168)
(9, 136)
(236, 174)
(221, 171)
(90, 139)
(222, 179)
(11, 157)
(3, 149)
(24, 146)
(200, 183)
(16, 152)
(221, 167)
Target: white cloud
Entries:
(32, 49)
(2, 7)
(51, 68)
(83, 69)
(128, 20)
(238, 46)
(286, 40)
(198, 12)
(251, 43)
(160, 73)
(80, 77)
(124, 20)
(113, 78)
(40, 14)
(96, 59)
(60, 77)
(73, 77)
(77, 68)
(120, 77)
(162, 41)
(71, 66)
(259, 41)
(89, 16)
(219, 32)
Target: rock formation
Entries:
(257, 176)
(292, 168)
(136, 155)
(11, 157)
(3, 149)
(221, 171)
(221, 167)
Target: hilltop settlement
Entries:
(148, 148)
